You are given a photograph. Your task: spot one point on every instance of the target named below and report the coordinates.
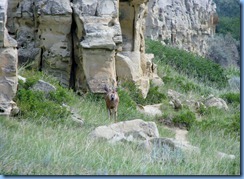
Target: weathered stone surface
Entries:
(173, 144)
(212, 101)
(97, 38)
(151, 110)
(43, 86)
(5, 39)
(8, 65)
(133, 130)
(85, 44)
(43, 32)
(185, 24)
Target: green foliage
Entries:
(229, 125)
(208, 112)
(153, 96)
(231, 98)
(229, 12)
(182, 83)
(185, 118)
(192, 65)
(39, 106)
(224, 26)
(228, 8)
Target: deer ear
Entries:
(115, 89)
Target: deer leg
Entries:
(109, 114)
(115, 115)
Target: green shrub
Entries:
(40, 106)
(209, 111)
(185, 118)
(224, 26)
(194, 66)
(231, 98)
(153, 96)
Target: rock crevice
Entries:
(85, 44)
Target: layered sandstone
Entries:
(85, 44)
(8, 64)
(185, 24)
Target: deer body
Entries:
(112, 102)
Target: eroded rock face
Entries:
(97, 39)
(8, 65)
(85, 44)
(185, 24)
(43, 32)
(132, 63)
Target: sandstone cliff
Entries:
(185, 24)
(8, 64)
(85, 44)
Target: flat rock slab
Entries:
(133, 130)
(151, 110)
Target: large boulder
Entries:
(8, 65)
(219, 103)
(133, 130)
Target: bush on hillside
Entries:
(194, 66)
(231, 98)
(39, 106)
(224, 26)
(153, 96)
(185, 118)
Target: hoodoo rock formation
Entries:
(89, 43)
(85, 44)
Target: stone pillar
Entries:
(97, 40)
(132, 63)
(8, 64)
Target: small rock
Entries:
(151, 110)
(43, 86)
(15, 110)
(173, 94)
(177, 104)
(212, 101)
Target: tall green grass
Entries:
(44, 140)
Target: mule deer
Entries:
(112, 102)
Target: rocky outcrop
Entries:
(185, 24)
(8, 65)
(85, 44)
(212, 101)
(133, 130)
(43, 32)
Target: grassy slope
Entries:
(36, 142)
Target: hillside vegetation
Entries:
(229, 12)
(44, 140)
